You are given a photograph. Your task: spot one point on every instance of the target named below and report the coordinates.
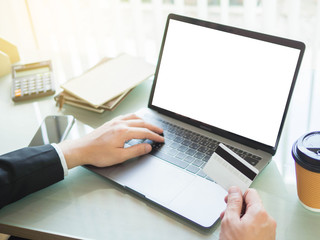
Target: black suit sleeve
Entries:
(27, 170)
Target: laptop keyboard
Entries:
(186, 149)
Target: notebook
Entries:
(213, 84)
(109, 79)
(66, 97)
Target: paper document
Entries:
(228, 169)
(109, 79)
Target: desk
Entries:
(87, 206)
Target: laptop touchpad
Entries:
(158, 180)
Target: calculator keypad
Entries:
(29, 87)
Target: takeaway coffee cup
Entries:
(306, 153)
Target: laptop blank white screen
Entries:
(234, 83)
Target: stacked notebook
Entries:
(106, 84)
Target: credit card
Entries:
(228, 169)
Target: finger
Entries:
(251, 196)
(135, 151)
(253, 202)
(128, 116)
(226, 201)
(234, 203)
(143, 133)
(142, 124)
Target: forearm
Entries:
(27, 170)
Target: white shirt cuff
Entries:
(62, 159)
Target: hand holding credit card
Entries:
(228, 169)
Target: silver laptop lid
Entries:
(230, 81)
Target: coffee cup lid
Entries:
(306, 151)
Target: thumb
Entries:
(135, 151)
(234, 203)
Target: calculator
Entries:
(32, 81)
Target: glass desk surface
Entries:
(87, 206)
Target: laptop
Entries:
(213, 84)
